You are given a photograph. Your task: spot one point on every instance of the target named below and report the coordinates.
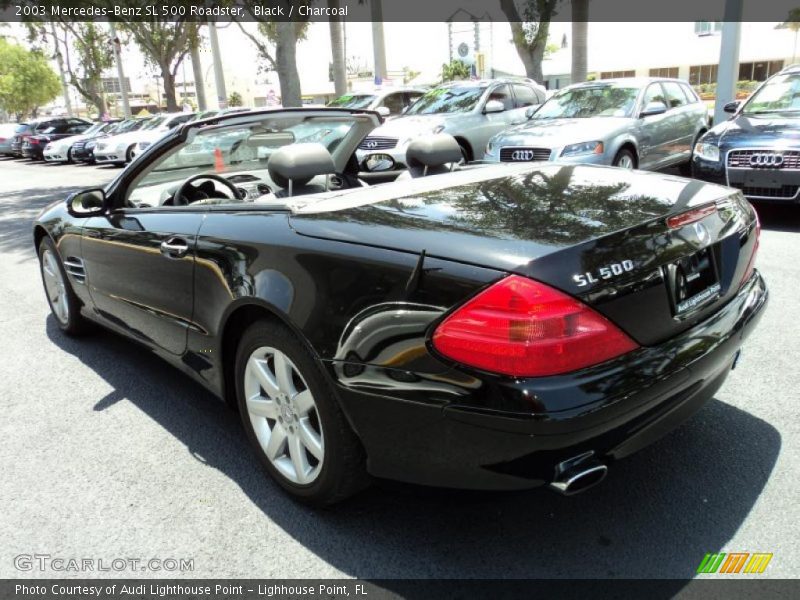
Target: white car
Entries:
(119, 149)
(387, 103)
(61, 150)
(470, 111)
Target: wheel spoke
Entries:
(303, 403)
(277, 441)
(283, 373)
(262, 407)
(265, 378)
(311, 439)
(299, 459)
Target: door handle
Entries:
(174, 247)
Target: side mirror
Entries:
(88, 203)
(531, 110)
(493, 106)
(383, 111)
(731, 107)
(653, 108)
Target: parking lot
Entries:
(107, 452)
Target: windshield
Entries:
(235, 150)
(154, 122)
(353, 101)
(451, 99)
(23, 128)
(587, 102)
(779, 95)
(95, 127)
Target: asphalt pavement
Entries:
(107, 452)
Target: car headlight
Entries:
(490, 147)
(438, 129)
(583, 148)
(707, 151)
(121, 146)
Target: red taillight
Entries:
(751, 264)
(523, 328)
(691, 216)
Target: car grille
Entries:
(524, 154)
(784, 192)
(378, 143)
(78, 146)
(740, 159)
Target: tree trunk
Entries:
(286, 64)
(337, 50)
(199, 84)
(580, 33)
(169, 89)
(531, 52)
(378, 44)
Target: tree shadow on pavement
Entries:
(656, 515)
(18, 211)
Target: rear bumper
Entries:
(612, 410)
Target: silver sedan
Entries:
(642, 123)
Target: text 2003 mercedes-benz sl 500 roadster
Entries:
(493, 327)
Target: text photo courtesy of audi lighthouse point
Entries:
(294, 289)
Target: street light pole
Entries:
(60, 61)
(728, 71)
(219, 76)
(126, 107)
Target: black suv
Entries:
(758, 149)
(49, 125)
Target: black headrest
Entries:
(433, 151)
(299, 162)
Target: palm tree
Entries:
(580, 30)
(337, 50)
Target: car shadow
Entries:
(655, 516)
(778, 217)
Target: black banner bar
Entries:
(391, 10)
(392, 589)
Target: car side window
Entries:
(502, 94)
(654, 93)
(394, 102)
(675, 95)
(411, 97)
(690, 95)
(77, 128)
(524, 96)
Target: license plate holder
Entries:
(693, 282)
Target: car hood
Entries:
(405, 127)
(758, 130)
(560, 132)
(504, 216)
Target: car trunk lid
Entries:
(597, 233)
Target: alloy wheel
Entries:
(284, 415)
(625, 162)
(55, 286)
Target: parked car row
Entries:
(649, 123)
(114, 141)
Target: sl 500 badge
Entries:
(607, 272)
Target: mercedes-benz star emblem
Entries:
(702, 233)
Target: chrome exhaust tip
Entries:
(578, 475)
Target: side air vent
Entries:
(75, 269)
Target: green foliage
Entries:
(26, 79)
(235, 99)
(455, 70)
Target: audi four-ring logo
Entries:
(522, 155)
(764, 159)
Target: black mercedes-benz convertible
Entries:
(492, 327)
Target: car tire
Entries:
(64, 304)
(129, 154)
(294, 421)
(625, 159)
(70, 159)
